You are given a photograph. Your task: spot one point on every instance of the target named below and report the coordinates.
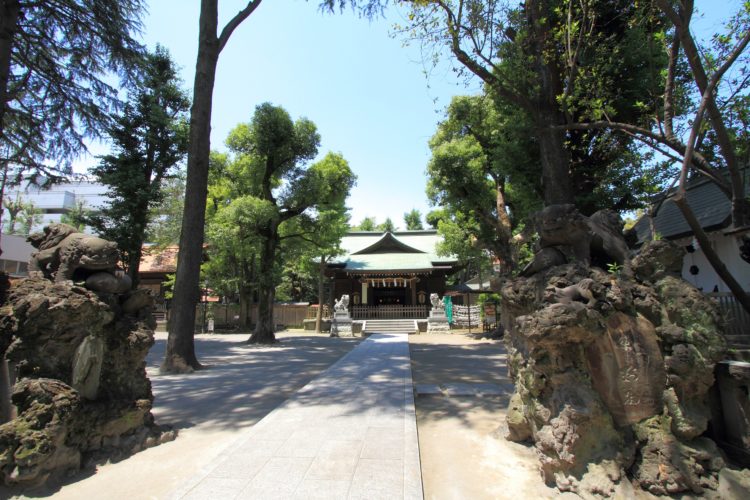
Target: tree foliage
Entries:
(149, 140)
(54, 60)
(387, 226)
(77, 216)
(23, 215)
(270, 206)
(165, 218)
(413, 220)
(540, 57)
(367, 224)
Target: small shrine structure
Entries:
(390, 275)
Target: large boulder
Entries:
(612, 372)
(82, 393)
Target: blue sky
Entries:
(368, 94)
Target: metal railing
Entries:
(389, 312)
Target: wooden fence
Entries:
(312, 312)
(228, 315)
(388, 312)
(737, 326)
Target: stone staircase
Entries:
(389, 326)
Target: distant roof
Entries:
(710, 205)
(159, 260)
(401, 251)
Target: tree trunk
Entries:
(9, 12)
(134, 264)
(321, 288)
(244, 306)
(554, 157)
(739, 204)
(263, 333)
(180, 355)
(555, 165)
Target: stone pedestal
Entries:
(437, 322)
(341, 326)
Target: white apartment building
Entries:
(53, 203)
(59, 199)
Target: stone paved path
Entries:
(350, 433)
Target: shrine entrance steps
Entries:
(390, 326)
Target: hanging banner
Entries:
(448, 308)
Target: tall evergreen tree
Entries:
(149, 140)
(54, 58)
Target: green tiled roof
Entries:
(401, 251)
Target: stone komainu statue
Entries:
(437, 304)
(342, 304)
(62, 250)
(565, 235)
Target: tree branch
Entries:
(640, 133)
(673, 53)
(236, 21)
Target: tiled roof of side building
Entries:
(709, 203)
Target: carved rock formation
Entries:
(82, 393)
(612, 373)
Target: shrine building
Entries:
(390, 275)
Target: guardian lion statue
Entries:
(437, 304)
(342, 304)
(63, 250)
(566, 235)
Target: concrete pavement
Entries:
(350, 433)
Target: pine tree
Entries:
(149, 140)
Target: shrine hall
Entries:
(390, 275)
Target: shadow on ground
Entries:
(241, 383)
(459, 359)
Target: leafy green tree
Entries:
(14, 208)
(166, 216)
(319, 246)
(55, 58)
(413, 220)
(540, 56)
(149, 141)
(272, 202)
(387, 225)
(704, 98)
(30, 217)
(77, 216)
(367, 224)
(484, 173)
(233, 247)
(22, 212)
